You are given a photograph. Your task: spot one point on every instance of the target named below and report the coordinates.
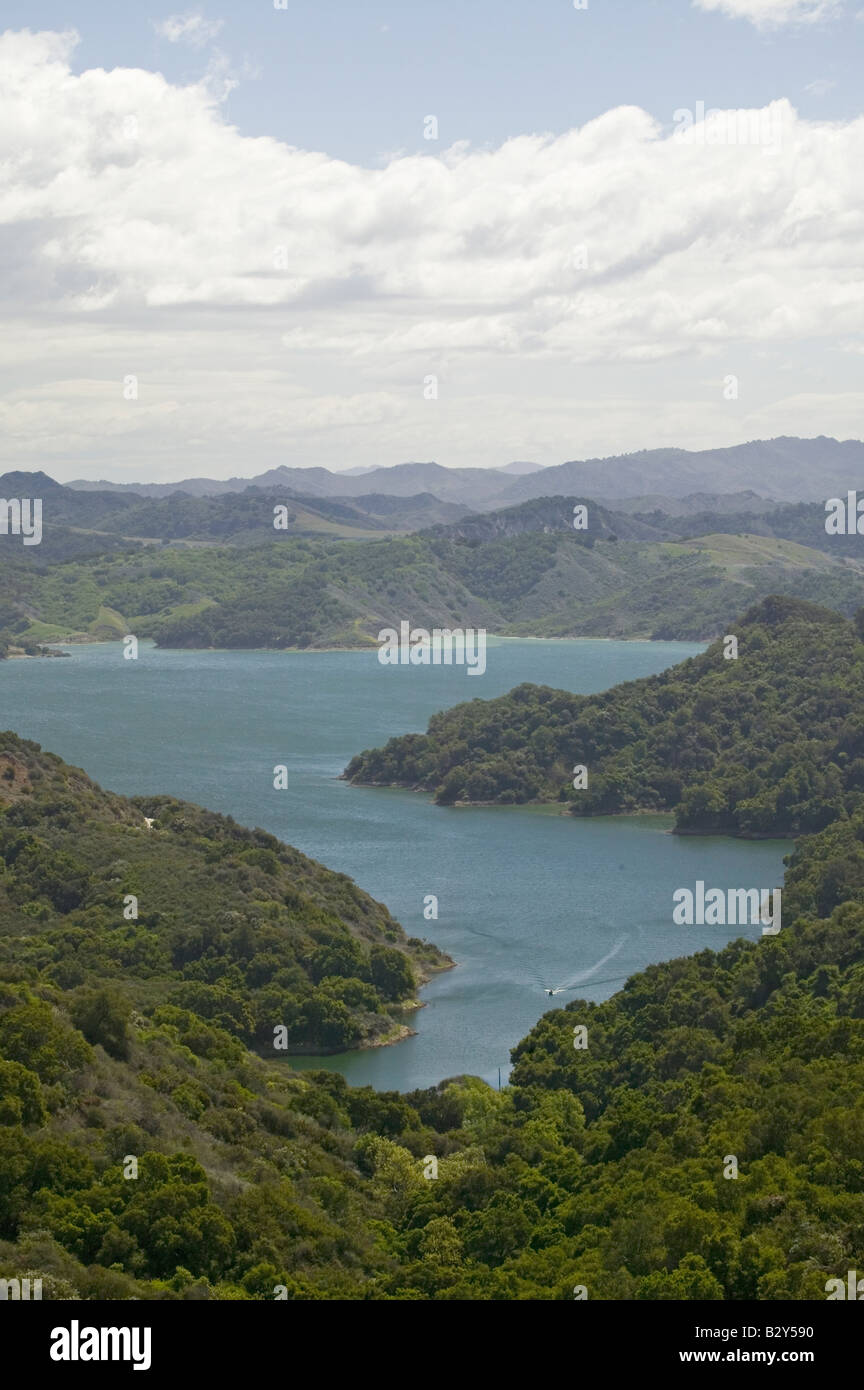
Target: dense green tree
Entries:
(102, 1015)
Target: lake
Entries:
(528, 899)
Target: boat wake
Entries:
(584, 976)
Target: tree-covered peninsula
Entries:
(767, 742)
(172, 906)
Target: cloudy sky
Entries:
(476, 231)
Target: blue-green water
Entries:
(527, 898)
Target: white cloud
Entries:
(280, 305)
(821, 87)
(772, 14)
(190, 28)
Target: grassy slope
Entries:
(317, 593)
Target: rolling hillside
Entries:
(213, 571)
(315, 593)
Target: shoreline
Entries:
(402, 1033)
(402, 1030)
(560, 809)
(82, 640)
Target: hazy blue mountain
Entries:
(788, 469)
(785, 469)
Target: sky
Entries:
(350, 234)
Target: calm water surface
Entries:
(527, 898)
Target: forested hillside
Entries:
(802, 522)
(146, 1152)
(244, 930)
(523, 571)
(769, 743)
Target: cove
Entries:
(528, 899)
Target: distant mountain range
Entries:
(518, 467)
(471, 487)
(76, 523)
(786, 469)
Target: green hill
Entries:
(245, 930)
(770, 743)
(521, 572)
(212, 571)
